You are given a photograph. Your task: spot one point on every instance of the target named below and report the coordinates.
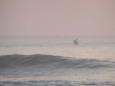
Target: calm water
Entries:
(88, 47)
(102, 49)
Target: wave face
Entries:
(29, 68)
(39, 63)
(12, 61)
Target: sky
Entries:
(57, 18)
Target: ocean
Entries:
(57, 61)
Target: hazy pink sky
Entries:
(57, 17)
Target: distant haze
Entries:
(57, 17)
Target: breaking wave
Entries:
(50, 60)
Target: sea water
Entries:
(99, 48)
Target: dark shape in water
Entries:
(75, 42)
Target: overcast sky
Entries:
(57, 17)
